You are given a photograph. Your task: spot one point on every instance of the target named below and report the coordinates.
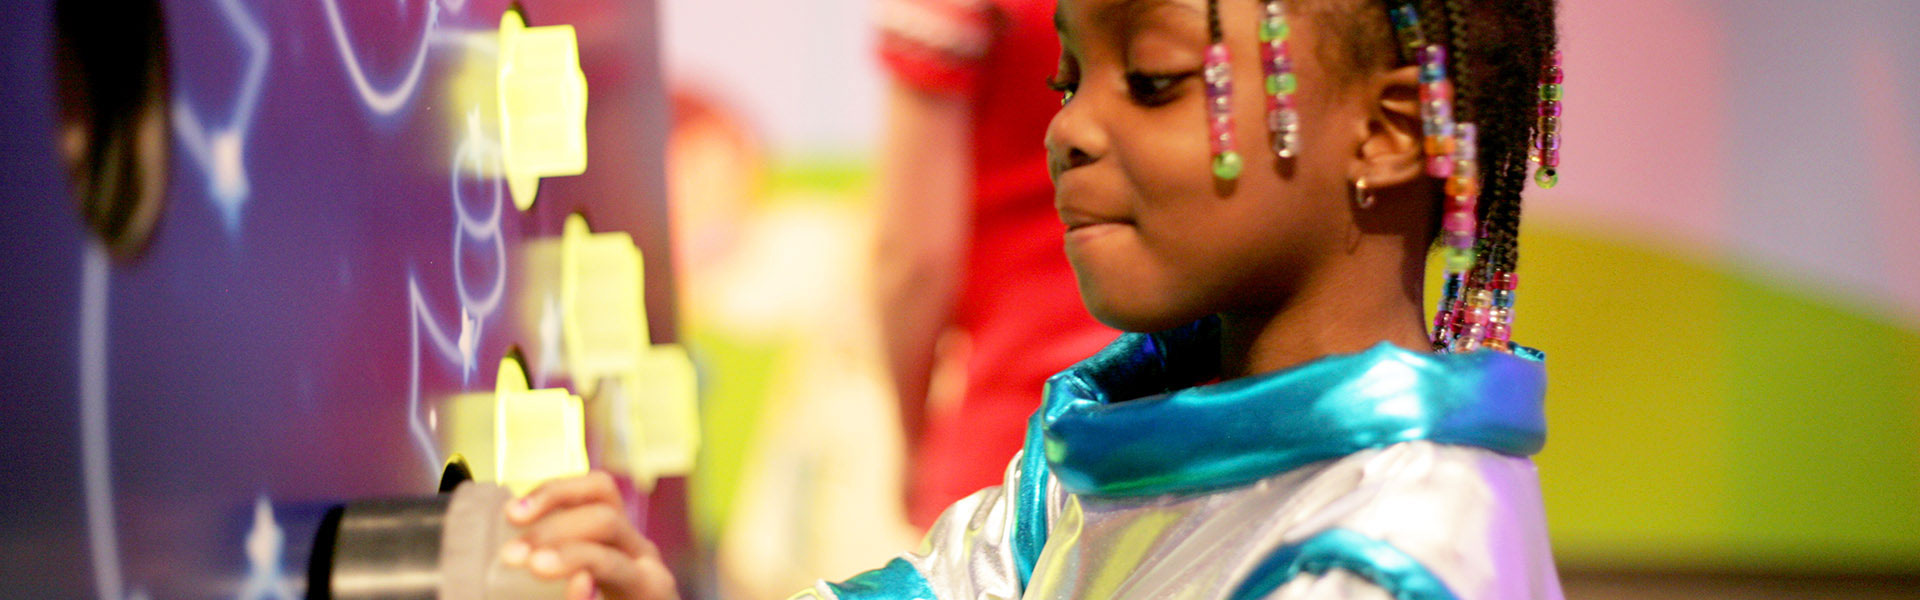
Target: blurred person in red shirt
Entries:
(969, 241)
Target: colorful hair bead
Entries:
(1546, 144)
(1436, 109)
(1502, 284)
(1475, 321)
(1449, 291)
(1216, 71)
(1276, 60)
(1499, 336)
(1406, 27)
(1502, 287)
(1460, 223)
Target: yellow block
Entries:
(543, 105)
(466, 429)
(602, 304)
(538, 434)
(666, 410)
(613, 426)
(642, 405)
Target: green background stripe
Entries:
(1704, 417)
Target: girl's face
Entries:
(1154, 238)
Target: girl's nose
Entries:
(1074, 138)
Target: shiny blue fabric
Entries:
(898, 580)
(1030, 498)
(1377, 561)
(1111, 426)
(1135, 363)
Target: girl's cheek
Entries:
(1166, 160)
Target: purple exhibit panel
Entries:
(320, 250)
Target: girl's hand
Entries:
(577, 528)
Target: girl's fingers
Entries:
(597, 523)
(594, 487)
(615, 574)
(580, 586)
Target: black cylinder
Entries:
(445, 547)
(379, 550)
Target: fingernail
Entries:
(519, 509)
(514, 553)
(545, 562)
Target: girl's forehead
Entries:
(1121, 14)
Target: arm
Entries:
(925, 210)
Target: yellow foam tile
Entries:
(543, 105)
(666, 410)
(538, 434)
(602, 303)
(466, 430)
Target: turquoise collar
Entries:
(1217, 436)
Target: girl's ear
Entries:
(1390, 151)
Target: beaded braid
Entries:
(1502, 221)
(1279, 83)
(1497, 124)
(1276, 62)
(1217, 72)
(1504, 225)
(1476, 139)
(1522, 128)
(1546, 143)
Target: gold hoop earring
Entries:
(1362, 197)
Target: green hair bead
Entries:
(1226, 165)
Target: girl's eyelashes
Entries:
(1066, 77)
(1064, 85)
(1146, 89)
(1152, 89)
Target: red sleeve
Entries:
(935, 45)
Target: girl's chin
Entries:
(1124, 313)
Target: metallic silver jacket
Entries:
(1384, 474)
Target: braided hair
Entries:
(1497, 50)
(1495, 56)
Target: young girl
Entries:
(1294, 429)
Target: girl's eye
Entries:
(1064, 86)
(1154, 90)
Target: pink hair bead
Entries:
(1478, 316)
(1222, 129)
(1459, 221)
(1505, 281)
(1499, 333)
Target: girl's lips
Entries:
(1079, 219)
(1084, 232)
